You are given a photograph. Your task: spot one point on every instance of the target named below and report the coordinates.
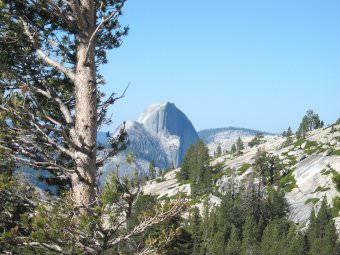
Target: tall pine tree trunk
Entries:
(84, 181)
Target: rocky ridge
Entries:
(311, 164)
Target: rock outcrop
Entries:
(162, 133)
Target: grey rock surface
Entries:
(162, 133)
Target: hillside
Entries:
(311, 165)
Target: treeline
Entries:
(248, 223)
(253, 218)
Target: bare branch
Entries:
(63, 108)
(104, 20)
(111, 100)
(55, 248)
(117, 143)
(177, 208)
(47, 164)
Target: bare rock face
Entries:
(162, 133)
(171, 127)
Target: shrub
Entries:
(321, 189)
(336, 180)
(288, 182)
(312, 200)
(336, 206)
(243, 168)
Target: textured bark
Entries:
(84, 180)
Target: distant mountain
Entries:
(162, 133)
(226, 137)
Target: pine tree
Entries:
(51, 53)
(195, 226)
(260, 165)
(233, 149)
(249, 243)
(321, 233)
(152, 170)
(196, 168)
(294, 242)
(239, 145)
(273, 237)
(275, 205)
(233, 247)
(268, 166)
(256, 140)
(218, 151)
(309, 122)
(330, 240)
(216, 244)
(289, 132)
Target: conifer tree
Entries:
(273, 236)
(51, 52)
(309, 122)
(152, 170)
(275, 205)
(321, 233)
(233, 149)
(249, 243)
(195, 226)
(239, 145)
(294, 242)
(268, 166)
(218, 151)
(289, 132)
(234, 244)
(196, 168)
(289, 138)
(256, 140)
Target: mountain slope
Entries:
(312, 164)
(162, 133)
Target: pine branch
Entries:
(103, 22)
(63, 108)
(45, 57)
(177, 208)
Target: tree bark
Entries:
(84, 180)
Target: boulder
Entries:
(292, 153)
(302, 157)
(327, 152)
(333, 142)
(302, 146)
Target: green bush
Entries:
(336, 180)
(336, 153)
(321, 189)
(218, 175)
(312, 200)
(243, 168)
(288, 182)
(336, 206)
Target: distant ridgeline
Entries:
(208, 135)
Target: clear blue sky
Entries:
(254, 64)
